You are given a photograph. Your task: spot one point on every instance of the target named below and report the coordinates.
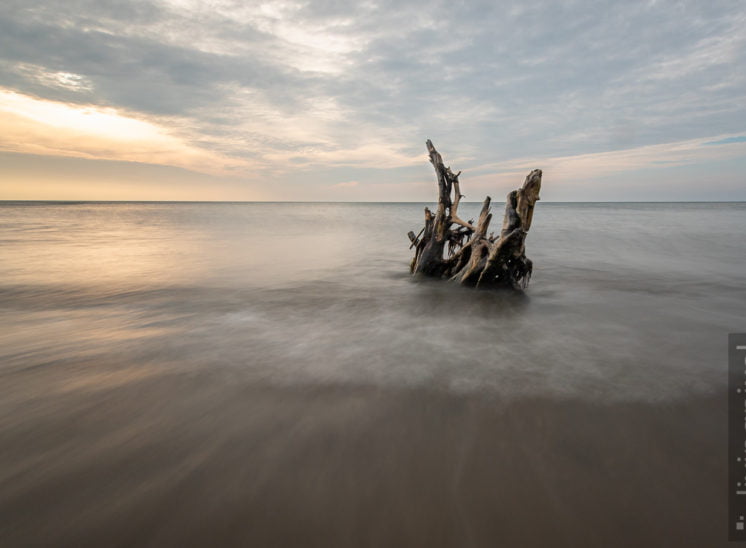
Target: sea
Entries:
(269, 374)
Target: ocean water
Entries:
(270, 374)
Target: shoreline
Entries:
(172, 464)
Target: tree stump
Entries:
(449, 247)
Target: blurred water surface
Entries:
(237, 361)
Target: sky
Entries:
(333, 100)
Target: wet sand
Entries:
(198, 459)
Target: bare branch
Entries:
(471, 256)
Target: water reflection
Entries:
(269, 374)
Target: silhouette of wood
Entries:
(449, 247)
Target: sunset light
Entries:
(372, 273)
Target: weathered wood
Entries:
(472, 257)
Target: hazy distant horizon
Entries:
(494, 200)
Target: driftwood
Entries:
(449, 247)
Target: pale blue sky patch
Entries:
(729, 140)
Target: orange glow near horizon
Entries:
(52, 128)
(155, 162)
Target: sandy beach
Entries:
(191, 460)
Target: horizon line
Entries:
(56, 201)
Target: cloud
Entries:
(277, 89)
(346, 184)
(596, 166)
(68, 81)
(36, 126)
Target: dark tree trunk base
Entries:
(449, 247)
